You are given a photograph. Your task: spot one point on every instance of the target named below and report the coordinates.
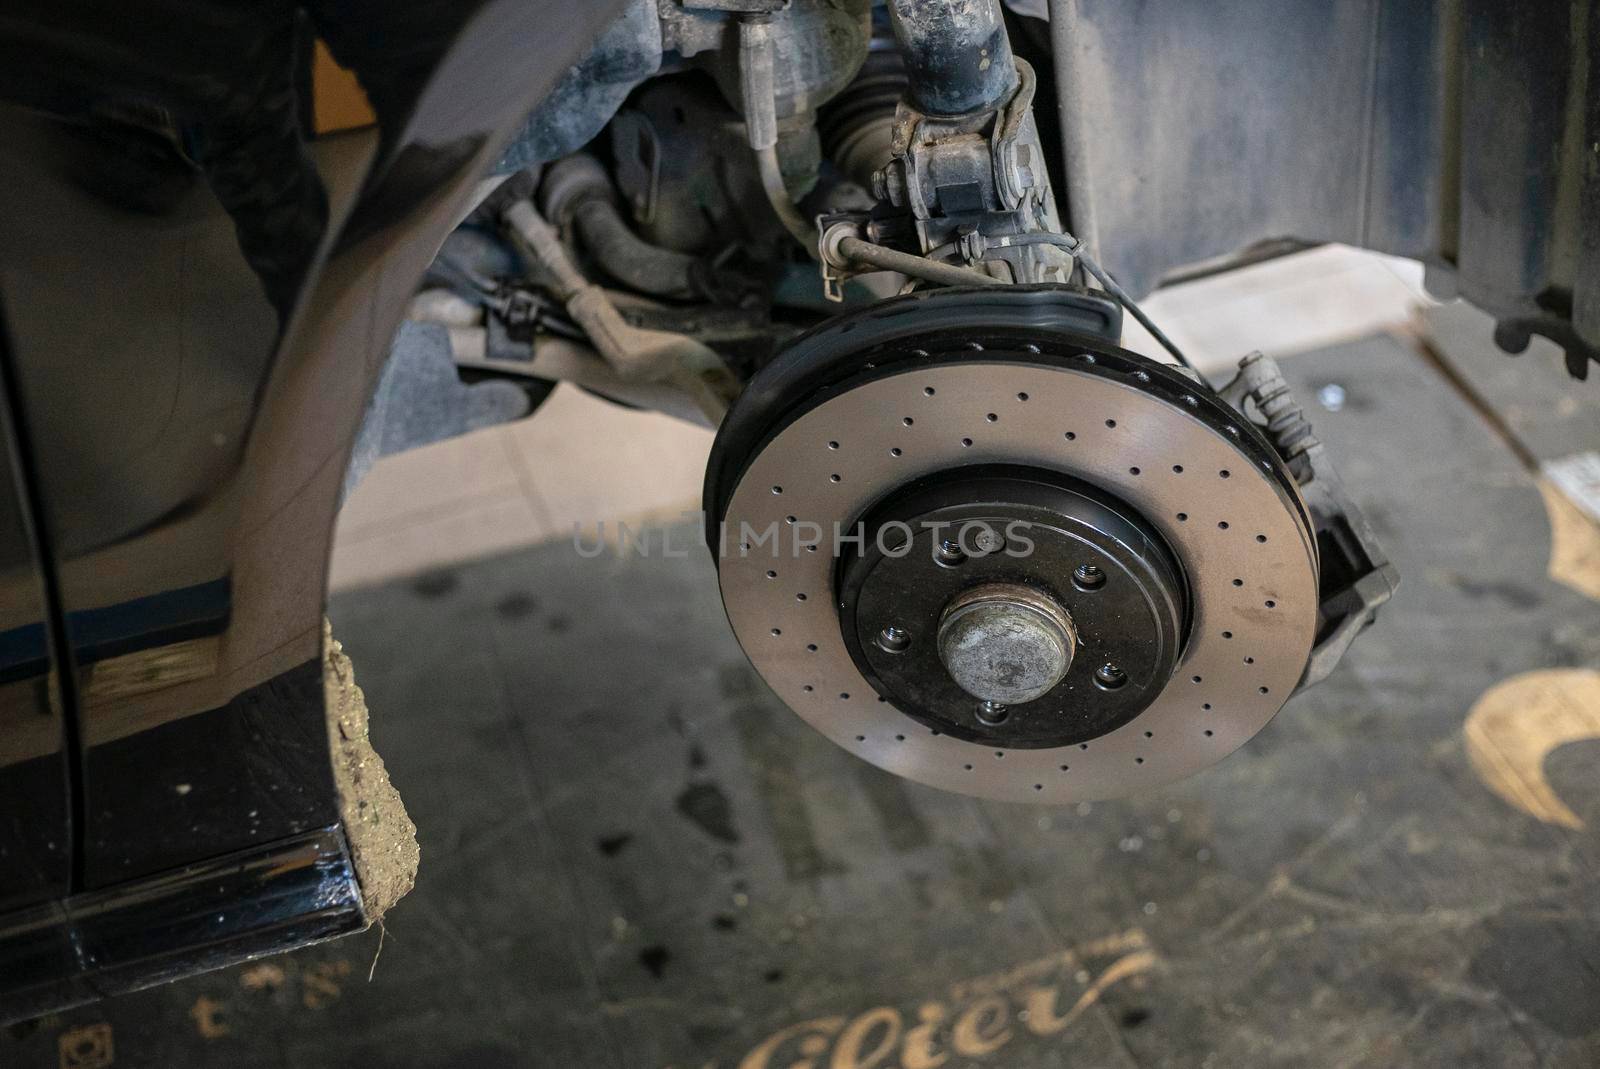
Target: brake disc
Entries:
(968, 538)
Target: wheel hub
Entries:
(999, 577)
(1004, 558)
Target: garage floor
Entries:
(633, 857)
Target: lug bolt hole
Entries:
(1109, 677)
(893, 640)
(1088, 577)
(992, 713)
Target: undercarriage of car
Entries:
(975, 516)
(958, 528)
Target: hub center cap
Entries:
(1006, 643)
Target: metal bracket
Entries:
(980, 173)
(837, 268)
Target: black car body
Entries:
(192, 323)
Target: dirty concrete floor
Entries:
(635, 858)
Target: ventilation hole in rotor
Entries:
(1224, 473)
(811, 549)
(833, 445)
(1249, 660)
(1071, 437)
(1261, 538)
(844, 695)
(881, 698)
(1209, 733)
(833, 478)
(771, 574)
(1263, 690)
(1206, 706)
(777, 489)
(894, 452)
(808, 688)
(1238, 582)
(1022, 396)
(899, 738)
(1065, 768)
(1271, 604)
(1183, 517)
(1038, 786)
(967, 767)
(1111, 423)
(992, 418)
(908, 421)
(744, 547)
(935, 732)
(928, 391)
(776, 631)
(811, 647)
(1222, 525)
(1133, 471)
(1138, 760)
(1149, 734)
(861, 738)
(790, 519)
(999, 753)
(966, 442)
(799, 597)
(1083, 746)
(1195, 679)
(1227, 634)
(1177, 469)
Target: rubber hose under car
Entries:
(578, 189)
(630, 259)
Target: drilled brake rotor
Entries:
(1162, 612)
